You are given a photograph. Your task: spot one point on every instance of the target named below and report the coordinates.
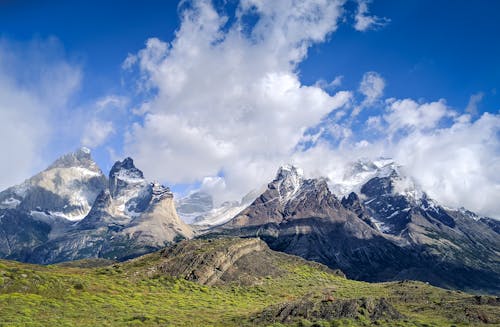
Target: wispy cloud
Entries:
(474, 101)
(96, 132)
(363, 21)
(36, 84)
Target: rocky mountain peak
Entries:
(357, 173)
(287, 182)
(82, 157)
(289, 172)
(124, 175)
(160, 192)
(66, 189)
(125, 168)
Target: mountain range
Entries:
(374, 225)
(122, 216)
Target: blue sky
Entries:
(421, 50)
(430, 49)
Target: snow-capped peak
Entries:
(84, 150)
(357, 173)
(67, 188)
(288, 181)
(160, 192)
(383, 162)
(124, 175)
(405, 185)
(80, 158)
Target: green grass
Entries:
(128, 295)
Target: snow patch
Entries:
(382, 227)
(288, 181)
(358, 173)
(10, 203)
(85, 150)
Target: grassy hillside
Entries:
(143, 292)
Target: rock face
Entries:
(66, 189)
(388, 231)
(20, 232)
(463, 249)
(207, 267)
(45, 205)
(224, 260)
(128, 217)
(377, 225)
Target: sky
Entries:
(218, 94)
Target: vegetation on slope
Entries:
(140, 293)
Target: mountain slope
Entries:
(387, 232)
(285, 290)
(45, 205)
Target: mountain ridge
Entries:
(387, 232)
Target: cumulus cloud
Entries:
(363, 21)
(228, 100)
(409, 115)
(457, 165)
(36, 83)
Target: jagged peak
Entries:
(82, 157)
(160, 191)
(125, 170)
(124, 174)
(289, 171)
(359, 172)
(84, 150)
(288, 181)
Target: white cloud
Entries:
(363, 21)
(458, 165)
(330, 86)
(409, 115)
(229, 108)
(36, 83)
(374, 122)
(372, 86)
(455, 161)
(112, 101)
(231, 101)
(96, 132)
(474, 100)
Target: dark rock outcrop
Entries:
(328, 309)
